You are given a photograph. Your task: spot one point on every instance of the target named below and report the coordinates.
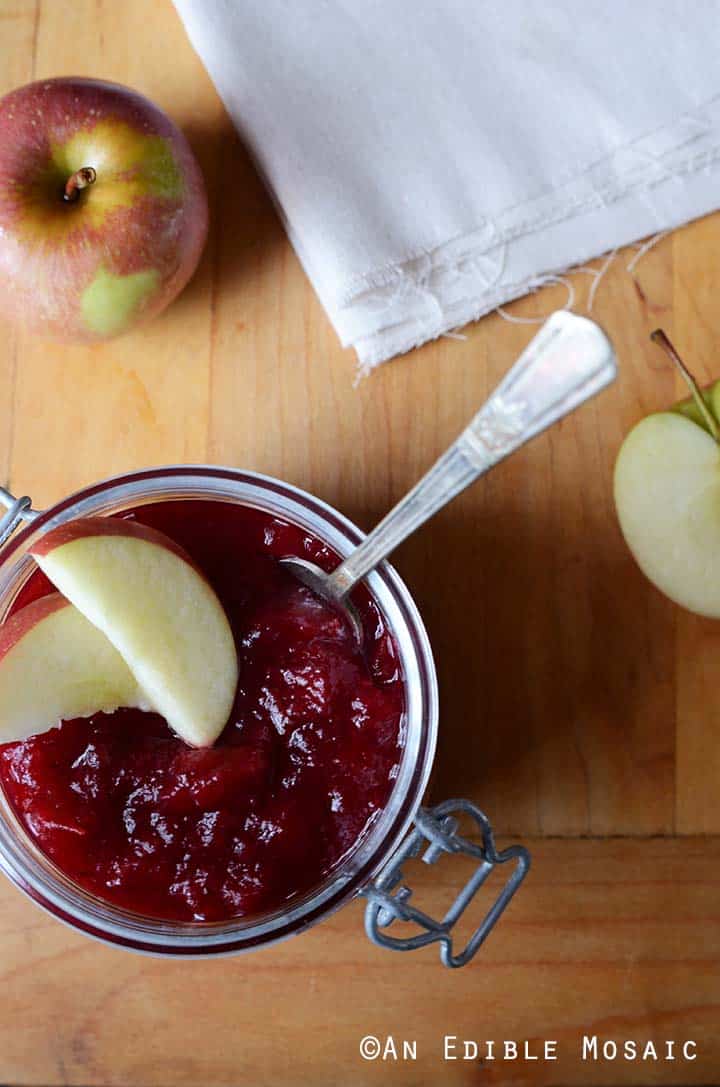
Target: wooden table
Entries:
(578, 706)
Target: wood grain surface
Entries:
(578, 706)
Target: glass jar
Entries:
(372, 866)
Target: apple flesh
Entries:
(667, 494)
(160, 613)
(103, 213)
(55, 666)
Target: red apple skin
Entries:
(91, 268)
(18, 625)
(82, 527)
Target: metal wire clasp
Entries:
(438, 827)
(18, 509)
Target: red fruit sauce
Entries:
(307, 760)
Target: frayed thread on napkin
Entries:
(406, 305)
(553, 280)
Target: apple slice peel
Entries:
(54, 666)
(157, 609)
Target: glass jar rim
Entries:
(31, 870)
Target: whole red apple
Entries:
(103, 213)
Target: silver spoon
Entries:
(570, 360)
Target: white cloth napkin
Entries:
(432, 159)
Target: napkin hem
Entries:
(631, 222)
(663, 149)
(464, 279)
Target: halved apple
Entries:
(55, 665)
(146, 595)
(667, 495)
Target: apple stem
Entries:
(77, 182)
(663, 340)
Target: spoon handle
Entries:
(570, 360)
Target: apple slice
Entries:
(147, 596)
(54, 666)
(667, 495)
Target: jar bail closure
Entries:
(18, 509)
(436, 833)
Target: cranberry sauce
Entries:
(308, 758)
